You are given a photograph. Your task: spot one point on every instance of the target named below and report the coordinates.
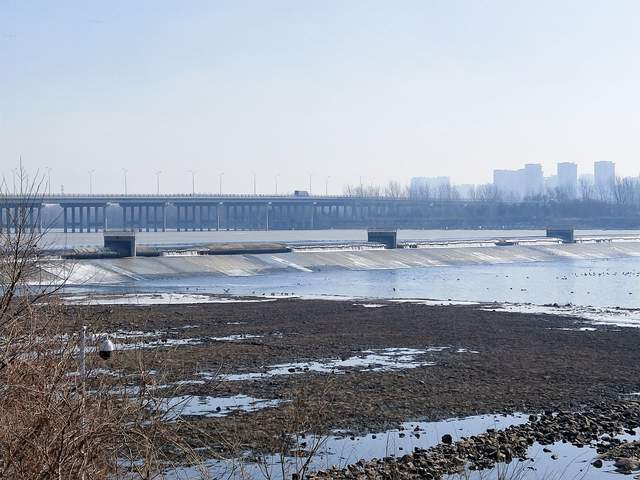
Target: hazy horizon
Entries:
(382, 90)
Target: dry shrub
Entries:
(50, 427)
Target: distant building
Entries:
(518, 184)
(509, 183)
(429, 187)
(604, 177)
(533, 179)
(567, 178)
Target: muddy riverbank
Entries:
(362, 366)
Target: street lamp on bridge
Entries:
(124, 172)
(193, 181)
(158, 172)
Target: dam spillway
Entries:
(131, 269)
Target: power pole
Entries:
(124, 172)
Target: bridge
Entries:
(200, 212)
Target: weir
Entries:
(260, 264)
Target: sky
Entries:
(327, 91)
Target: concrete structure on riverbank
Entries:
(128, 269)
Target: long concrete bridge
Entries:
(92, 213)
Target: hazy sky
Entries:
(383, 89)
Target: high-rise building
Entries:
(568, 178)
(509, 183)
(604, 178)
(518, 184)
(533, 179)
(604, 173)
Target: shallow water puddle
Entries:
(383, 360)
(342, 449)
(208, 406)
(561, 461)
(236, 338)
(155, 299)
(160, 343)
(621, 317)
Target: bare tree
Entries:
(395, 189)
(50, 425)
(489, 193)
(625, 191)
(362, 190)
(587, 190)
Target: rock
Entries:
(627, 464)
(447, 439)
(597, 463)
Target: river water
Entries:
(613, 282)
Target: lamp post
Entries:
(220, 182)
(124, 172)
(193, 182)
(49, 180)
(276, 178)
(254, 183)
(326, 186)
(158, 172)
(91, 172)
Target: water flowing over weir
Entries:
(131, 269)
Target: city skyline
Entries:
(537, 181)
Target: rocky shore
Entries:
(597, 426)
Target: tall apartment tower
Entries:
(568, 178)
(604, 178)
(533, 179)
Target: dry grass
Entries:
(49, 426)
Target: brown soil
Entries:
(525, 362)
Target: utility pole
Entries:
(158, 172)
(124, 172)
(193, 182)
(49, 180)
(91, 172)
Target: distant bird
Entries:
(225, 290)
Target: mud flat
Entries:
(358, 367)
